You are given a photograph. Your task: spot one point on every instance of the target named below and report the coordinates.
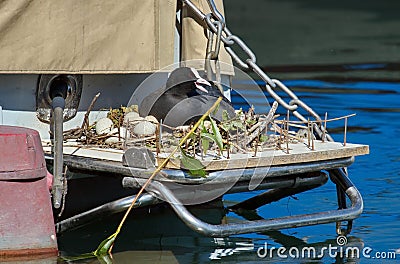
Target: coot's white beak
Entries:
(200, 83)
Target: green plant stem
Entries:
(158, 169)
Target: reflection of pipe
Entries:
(58, 105)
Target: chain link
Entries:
(215, 12)
(260, 73)
(278, 98)
(235, 57)
(230, 40)
(212, 54)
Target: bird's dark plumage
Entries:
(187, 89)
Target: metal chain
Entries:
(294, 104)
(212, 54)
(230, 40)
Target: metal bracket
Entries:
(44, 97)
(337, 177)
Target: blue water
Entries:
(376, 175)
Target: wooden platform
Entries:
(298, 153)
(90, 152)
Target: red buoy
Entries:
(26, 217)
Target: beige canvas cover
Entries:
(86, 36)
(95, 36)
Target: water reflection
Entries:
(159, 236)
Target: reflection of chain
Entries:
(214, 22)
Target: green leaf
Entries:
(189, 162)
(237, 124)
(205, 140)
(198, 173)
(105, 245)
(193, 165)
(217, 134)
(79, 257)
(105, 259)
(263, 138)
(203, 127)
(251, 121)
(216, 109)
(205, 144)
(225, 116)
(208, 136)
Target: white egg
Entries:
(122, 132)
(144, 128)
(152, 119)
(103, 126)
(132, 116)
(112, 140)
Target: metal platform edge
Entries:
(104, 167)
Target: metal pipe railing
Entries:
(103, 210)
(224, 230)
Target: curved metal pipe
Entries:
(58, 104)
(102, 210)
(268, 183)
(247, 174)
(224, 230)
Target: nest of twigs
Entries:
(243, 133)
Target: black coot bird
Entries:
(184, 99)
